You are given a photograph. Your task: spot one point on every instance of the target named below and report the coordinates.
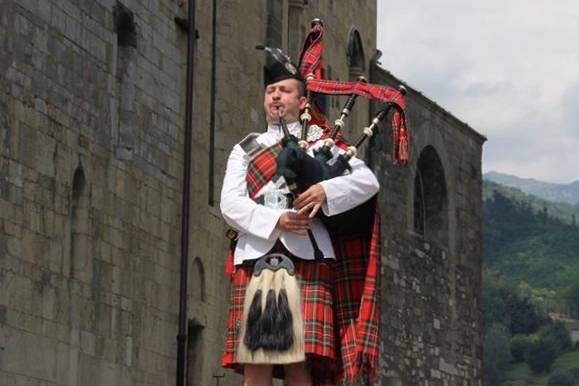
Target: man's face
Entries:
(284, 94)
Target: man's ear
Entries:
(303, 102)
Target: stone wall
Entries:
(91, 134)
(431, 278)
(92, 104)
(91, 125)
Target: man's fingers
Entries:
(315, 210)
(298, 203)
(298, 229)
(309, 206)
(305, 208)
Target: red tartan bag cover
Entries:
(356, 285)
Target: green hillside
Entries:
(530, 268)
(521, 375)
(529, 239)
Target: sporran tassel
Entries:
(283, 321)
(253, 332)
(267, 325)
(272, 326)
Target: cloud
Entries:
(509, 69)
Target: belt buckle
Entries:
(275, 199)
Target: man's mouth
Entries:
(276, 109)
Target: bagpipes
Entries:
(271, 330)
(303, 170)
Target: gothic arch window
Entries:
(78, 186)
(355, 54)
(80, 267)
(197, 286)
(295, 28)
(431, 198)
(125, 26)
(126, 76)
(274, 25)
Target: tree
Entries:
(495, 293)
(509, 305)
(558, 334)
(572, 300)
(525, 318)
(520, 348)
(542, 355)
(496, 355)
(561, 378)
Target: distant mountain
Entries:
(568, 193)
(563, 211)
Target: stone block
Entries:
(30, 354)
(67, 364)
(87, 343)
(36, 150)
(6, 209)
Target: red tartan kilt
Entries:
(315, 280)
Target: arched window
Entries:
(430, 198)
(80, 259)
(125, 26)
(295, 28)
(197, 282)
(355, 54)
(126, 30)
(274, 24)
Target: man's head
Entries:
(287, 94)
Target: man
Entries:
(263, 228)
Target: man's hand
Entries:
(294, 222)
(311, 200)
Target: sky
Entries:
(509, 69)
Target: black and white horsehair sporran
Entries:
(272, 325)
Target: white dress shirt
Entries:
(257, 224)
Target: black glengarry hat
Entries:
(281, 67)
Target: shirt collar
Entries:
(295, 128)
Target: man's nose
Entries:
(276, 94)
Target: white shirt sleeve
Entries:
(346, 192)
(240, 211)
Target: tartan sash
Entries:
(261, 168)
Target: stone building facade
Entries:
(92, 107)
(431, 255)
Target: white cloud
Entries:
(508, 68)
